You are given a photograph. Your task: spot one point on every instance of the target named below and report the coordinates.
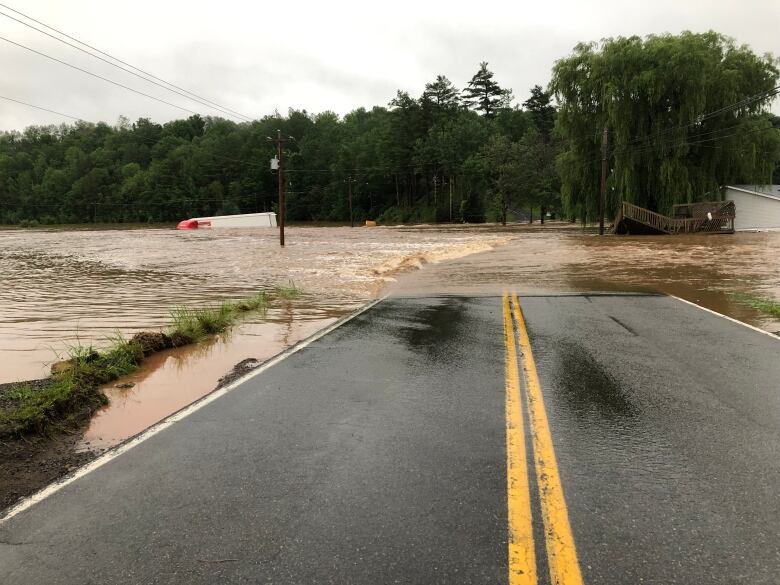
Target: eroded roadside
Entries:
(710, 271)
(170, 378)
(42, 421)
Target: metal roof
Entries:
(768, 191)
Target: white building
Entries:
(757, 206)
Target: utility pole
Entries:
(603, 191)
(349, 180)
(450, 185)
(280, 176)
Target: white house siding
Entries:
(757, 208)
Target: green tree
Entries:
(667, 102)
(442, 94)
(485, 95)
(539, 105)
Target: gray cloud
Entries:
(337, 56)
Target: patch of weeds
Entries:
(759, 303)
(191, 325)
(73, 390)
(290, 291)
(258, 303)
(185, 327)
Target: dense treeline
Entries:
(419, 159)
(667, 104)
(449, 154)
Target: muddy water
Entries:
(703, 269)
(172, 379)
(67, 287)
(61, 287)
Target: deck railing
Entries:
(718, 218)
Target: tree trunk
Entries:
(531, 216)
(544, 210)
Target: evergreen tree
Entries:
(485, 95)
(541, 109)
(442, 93)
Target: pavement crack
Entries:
(623, 325)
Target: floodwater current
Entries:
(62, 287)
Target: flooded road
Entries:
(66, 287)
(640, 448)
(63, 287)
(704, 269)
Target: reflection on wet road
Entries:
(636, 442)
(666, 422)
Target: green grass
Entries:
(191, 325)
(762, 304)
(74, 391)
(291, 291)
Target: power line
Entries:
(41, 108)
(219, 109)
(98, 76)
(199, 97)
(707, 115)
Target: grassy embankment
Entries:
(73, 391)
(759, 303)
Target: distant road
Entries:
(599, 439)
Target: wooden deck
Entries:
(708, 217)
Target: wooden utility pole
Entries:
(603, 191)
(349, 180)
(450, 185)
(280, 176)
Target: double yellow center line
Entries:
(561, 552)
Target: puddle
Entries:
(172, 379)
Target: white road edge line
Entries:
(124, 447)
(753, 327)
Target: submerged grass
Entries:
(291, 291)
(191, 325)
(763, 304)
(73, 392)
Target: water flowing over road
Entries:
(62, 287)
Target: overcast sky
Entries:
(255, 57)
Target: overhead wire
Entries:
(222, 111)
(42, 54)
(708, 115)
(40, 108)
(186, 91)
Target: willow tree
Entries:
(668, 103)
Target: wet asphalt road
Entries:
(378, 454)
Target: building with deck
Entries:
(757, 206)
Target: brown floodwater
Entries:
(705, 269)
(60, 288)
(66, 287)
(172, 379)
